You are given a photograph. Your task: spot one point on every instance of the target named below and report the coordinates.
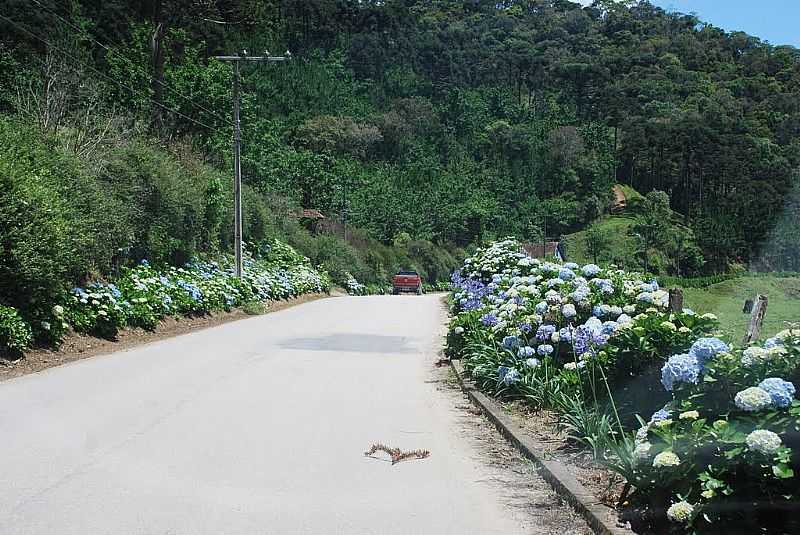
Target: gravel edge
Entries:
(553, 471)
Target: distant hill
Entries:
(451, 121)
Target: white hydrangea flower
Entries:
(552, 297)
(753, 399)
(763, 441)
(641, 434)
(709, 316)
(642, 451)
(459, 330)
(680, 512)
(666, 459)
(753, 355)
(689, 415)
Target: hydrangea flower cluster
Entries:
(680, 512)
(144, 295)
(753, 399)
(688, 367)
(704, 349)
(782, 392)
(763, 441)
(565, 311)
(354, 287)
(666, 459)
(680, 369)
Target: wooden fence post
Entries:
(676, 300)
(756, 319)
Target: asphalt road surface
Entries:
(252, 427)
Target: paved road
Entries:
(253, 427)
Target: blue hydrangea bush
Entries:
(144, 295)
(533, 320)
(734, 424)
(717, 453)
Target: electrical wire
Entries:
(117, 82)
(113, 50)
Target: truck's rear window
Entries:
(408, 273)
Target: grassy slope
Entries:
(726, 300)
(615, 227)
(629, 192)
(621, 245)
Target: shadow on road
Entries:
(356, 343)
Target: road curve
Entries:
(253, 427)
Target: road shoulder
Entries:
(78, 346)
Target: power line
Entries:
(112, 50)
(104, 75)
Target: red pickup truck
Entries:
(407, 281)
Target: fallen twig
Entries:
(397, 454)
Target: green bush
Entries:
(15, 334)
(163, 205)
(56, 223)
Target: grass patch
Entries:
(621, 246)
(727, 298)
(254, 308)
(630, 193)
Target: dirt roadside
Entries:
(80, 346)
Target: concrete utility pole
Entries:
(344, 211)
(237, 144)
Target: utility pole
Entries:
(237, 144)
(344, 211)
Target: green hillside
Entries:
(621, 246)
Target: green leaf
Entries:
(782, 471)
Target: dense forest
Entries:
(440, 122)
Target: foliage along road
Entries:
(257, 426)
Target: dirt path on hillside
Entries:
(620, 201)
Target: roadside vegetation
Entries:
(416, 136)
(695, 423)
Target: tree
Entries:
(652, 225)
(597, 243)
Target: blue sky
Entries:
(776, 21)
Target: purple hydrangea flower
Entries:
(489, 320)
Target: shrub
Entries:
(56, 223)
(598, 346)
(734, 429)
(143, 296)
(15, 334)
(254, 308)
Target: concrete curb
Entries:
(554, 472)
